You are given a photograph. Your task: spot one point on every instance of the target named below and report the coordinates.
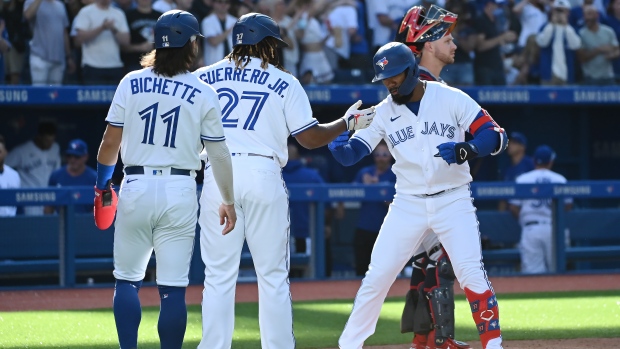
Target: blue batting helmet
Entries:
(392, 59)
(253, 27)
(175, 28)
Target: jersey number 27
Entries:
(258, 102)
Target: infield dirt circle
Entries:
(93, 298)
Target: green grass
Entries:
(318, 324)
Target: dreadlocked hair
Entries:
(266, 50)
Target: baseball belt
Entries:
(139, 170)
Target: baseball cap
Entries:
(518, 137)
(565, 4)
(543, 155)
(77, 147)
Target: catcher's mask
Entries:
(420, 26)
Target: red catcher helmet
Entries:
(420, 26)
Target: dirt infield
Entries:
(101, 297)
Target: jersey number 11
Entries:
(170, 118)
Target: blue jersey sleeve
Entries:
(350, 153)
(486, 141)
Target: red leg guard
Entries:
(419, 341)
(485, 313)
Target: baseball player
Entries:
(535, 216)
(158, 118)
(424, 122)
(262, 105)
(428, 35)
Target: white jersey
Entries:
(34, 164)
(164, 119)
(9, 179)
(537, 210)
(445, 114)
(260, 108)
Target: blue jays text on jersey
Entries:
(164, 87)
(406, 133)
(254, 76)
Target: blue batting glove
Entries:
(446, 152)
(340, 141)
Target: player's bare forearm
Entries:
(110, 145)
(321, 134)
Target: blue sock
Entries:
(127, 312)
(172, 317)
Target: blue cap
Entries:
(175, 28)
(77, 147)
(518, 137)
(543, 155)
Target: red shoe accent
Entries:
(447, 344)
(485, 312)
(419, 341)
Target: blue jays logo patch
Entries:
(382, 63)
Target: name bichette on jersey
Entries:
(164, 86)
(254, 76)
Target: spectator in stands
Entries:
(74, 173)
(141, 21)
(341, 21)
(576, 18)
(50, 47)
(276, 9)
(535, 216)
(461, 72)
(613, 20)
(18, 35)
(201, 9)
(35, 160)
(533, 16)
(9, 179)
(558, 43)
(599, 49)
(360, 48)
(314, 66)
(5, 47)
(164, 5)
(101, 30)
(379, 23)
(371, 214)
(488, 62)
(217, 32)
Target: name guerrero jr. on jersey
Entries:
(253, 76)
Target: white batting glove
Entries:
(356, 119)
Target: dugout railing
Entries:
(69, 242)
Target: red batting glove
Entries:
(105, 206)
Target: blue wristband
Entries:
(104, 173)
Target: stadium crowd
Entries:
(500, 42)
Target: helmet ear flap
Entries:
(411, 79)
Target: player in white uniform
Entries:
(262, 105)
(536, 215)
(160, 117)
(417, 119)
(428, 35)
(9, 179)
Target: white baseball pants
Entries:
(261, 202)
(452, 216)
(155, 212)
